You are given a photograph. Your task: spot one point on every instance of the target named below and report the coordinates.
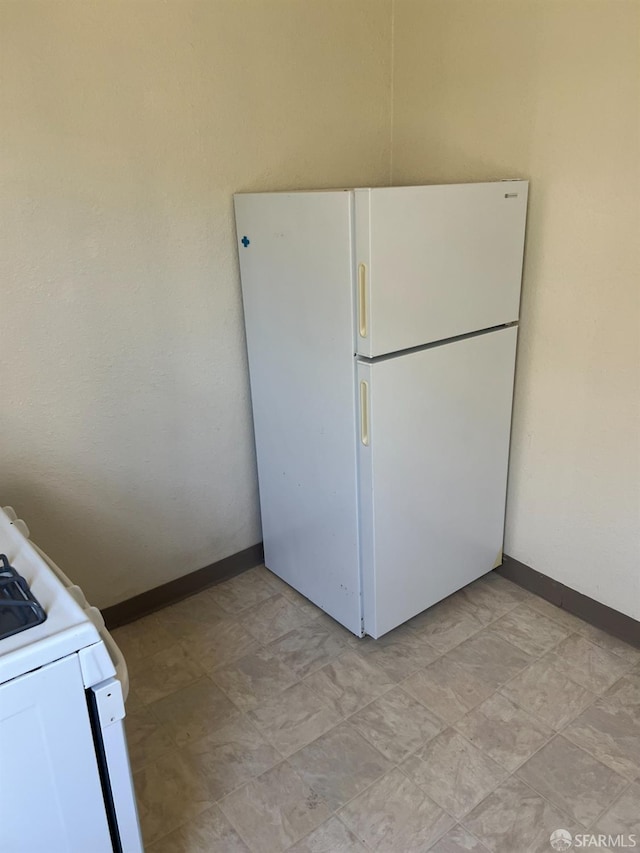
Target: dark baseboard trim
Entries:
(612, 621)
(606, 618)
(176, 590)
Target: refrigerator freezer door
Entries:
(433, 472)
(296, 264)
(437, 262)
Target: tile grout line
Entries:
(522, 763)
(586, 749)
(243, 714)
(596, 696)
(551, 802)
(554, 734)
(308, 620)
(394, 766)
(345, 719)
(333, 812)
(513, 775)
(510, 774)
(249, 846)
(498, 689)
(488, 794)
(483, 627)
(317, 693)
(397, 766)
(285, 759)
(577, 630)
(240, 713)
(553, 805)
(216, 802)
(234, 616)
(532, 713)
(473, 835)
(594, 823)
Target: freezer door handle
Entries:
(362, 299)
(364, 412)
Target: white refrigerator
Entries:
(381, 333)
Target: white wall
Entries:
(549, 91)
(125, 127)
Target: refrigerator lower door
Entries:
(433, 454)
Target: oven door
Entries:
(106, 711)
(106, 696)
(51, 791)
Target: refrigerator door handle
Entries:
(362, 299)
(364, 412)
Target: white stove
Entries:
(64, 763)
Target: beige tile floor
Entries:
(257, 723)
